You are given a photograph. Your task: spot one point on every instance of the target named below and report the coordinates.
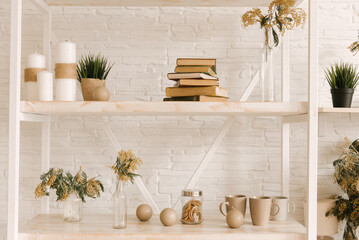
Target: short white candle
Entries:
(35, 60)
(45, 86)
(66, 52)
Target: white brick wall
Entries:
(144, 43)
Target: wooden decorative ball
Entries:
(144, 212)
(101, 94)
(168, 216)
(234, 219)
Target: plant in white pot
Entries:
(92, 72)
(343, 79)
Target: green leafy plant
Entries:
(66, 184)
(93, 66)
(342, 75)
(126, 166)
(347, 177)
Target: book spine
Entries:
(189, 98)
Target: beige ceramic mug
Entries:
(284, 204)
(237, 202)
(260, 208)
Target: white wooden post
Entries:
(14, 120)
(285, 130)
(313, 120)
(45, 160)
(46, 126)
(46, 41)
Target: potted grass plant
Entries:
(343, 79)
(92, 72)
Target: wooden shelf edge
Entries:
(51, 227)
(167, 108)
(338, 110)
(161, 3)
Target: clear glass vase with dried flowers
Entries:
(71, 190)
(125, 169)
(354, 47)
(281, 17)
(346, 175)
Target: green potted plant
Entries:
(342, 79)
(69, 189)
(92, 72)
(346, 175)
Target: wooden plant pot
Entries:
(88, 85)
(342, 97)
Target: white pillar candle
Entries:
(66, 87)
(45, 86)
(66, 52)
(34, 60)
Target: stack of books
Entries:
(195, 80)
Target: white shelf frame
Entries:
(16, 116)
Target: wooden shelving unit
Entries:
(52, 227)
(49, 227)
(167, 108)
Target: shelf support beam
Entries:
(208, 156)
(45, 160)
(14, 121)
(41, 5)
(312, 158)
(285, 127)
(252, 84)
(141, 186)
(31, 117)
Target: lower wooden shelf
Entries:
(51, 227)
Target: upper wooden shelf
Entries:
(338, 110)
(53, 227)
(163, 3)
(167, 108)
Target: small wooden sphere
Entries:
(101, 94)
(234, 219)
(168, 216)
(144, 212)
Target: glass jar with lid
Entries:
(192, 200)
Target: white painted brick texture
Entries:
(144, 44)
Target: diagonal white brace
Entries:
(252, 84)
(202, 165)
(146, 194)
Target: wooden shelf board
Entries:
(338, 110)
(166, 108)
(163, 3)
(52, 227)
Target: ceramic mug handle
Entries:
(221, 208)
(275, 214)
(293, 206)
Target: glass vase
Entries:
(266, 76)
(73, 208)
(120, 206)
